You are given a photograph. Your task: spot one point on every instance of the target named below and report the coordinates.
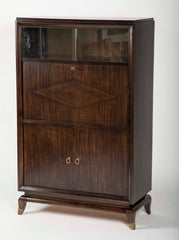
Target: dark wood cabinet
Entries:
(84, 113)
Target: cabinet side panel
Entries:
(143, 104)
(19, 107)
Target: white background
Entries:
(47, 222)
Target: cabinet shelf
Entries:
(66, 61)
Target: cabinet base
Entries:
(129, 211)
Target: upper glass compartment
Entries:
(96, 45)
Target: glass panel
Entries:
(30, 39)
(51, 43)
(103, 45)
(59, 43)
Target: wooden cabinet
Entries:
(84, 113)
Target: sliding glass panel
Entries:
(30, 42)
(59, 43)
(103, 45)
(100, 45)
(51, 43)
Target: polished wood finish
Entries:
(45, 164)
(19, 92)
(131, 219)
(142, 124)
(98, 114)
(76, 195)
(22, 206)
(147, 206)
(129, 211)
(80, 23)
(98, 93)
(81, 94)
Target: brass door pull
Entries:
(77, 161)
(68, 160)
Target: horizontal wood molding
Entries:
(79, 22)
(76, 196)
(73, 125)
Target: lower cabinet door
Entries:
(79, 159)
(47, 156)
(102, 163)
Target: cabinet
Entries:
(84, 113)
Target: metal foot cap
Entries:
(132, 226)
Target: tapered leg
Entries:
(131, 219)
(22, 206)
(147, 206)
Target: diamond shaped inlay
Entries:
(74, 94)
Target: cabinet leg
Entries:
(147, 206)
(131, 219)
(22, 206)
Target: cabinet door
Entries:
(45, 151)
(76, 94)
(99, 162)
(103, 162)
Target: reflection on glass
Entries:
(101, 45)
(30, 42)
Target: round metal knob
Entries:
(77, 161)
(68, 160)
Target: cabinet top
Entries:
(55, 20)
